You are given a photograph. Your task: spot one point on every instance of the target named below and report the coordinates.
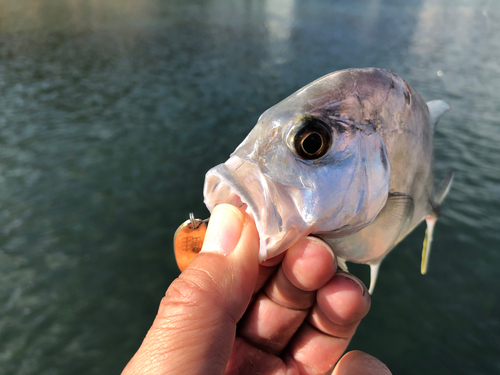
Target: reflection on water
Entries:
(42, 16)
(279, 16)
(112, 111)
(279, 19)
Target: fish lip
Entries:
(221, 180)
(228, 184)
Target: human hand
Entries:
(227, 314)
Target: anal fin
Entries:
(431, 222)
(439, 195)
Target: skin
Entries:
(226, 314)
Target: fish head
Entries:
(312, 164)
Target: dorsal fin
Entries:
(436, 109)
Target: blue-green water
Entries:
(112, 111)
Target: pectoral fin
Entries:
(371, 244)
(399, 209)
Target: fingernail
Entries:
(224, 229)
(324, 244)
(353, 278)
(311, 240)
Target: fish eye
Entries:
(312, 140)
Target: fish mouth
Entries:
(222, 187)
(242, 184)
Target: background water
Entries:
(112, 111)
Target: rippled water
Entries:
(112, 111)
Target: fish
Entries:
(347, 158)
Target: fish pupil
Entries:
(312, 143)
(312, 140)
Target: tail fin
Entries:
(443, 188)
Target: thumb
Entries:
(195, 327)
(357, 362)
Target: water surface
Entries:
(112, 111)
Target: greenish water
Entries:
(112, 111)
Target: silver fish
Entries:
(347, 158)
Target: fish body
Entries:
(347, 158)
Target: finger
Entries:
(246, 359)
(356, 362)
(309, 268)
(267, 269)
(340, 306)
(195, 327)
(277, 312)
(319, 343)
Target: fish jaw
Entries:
(242, 184)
